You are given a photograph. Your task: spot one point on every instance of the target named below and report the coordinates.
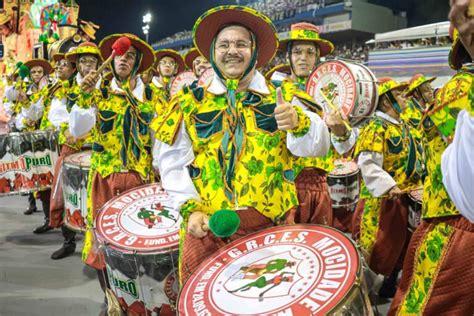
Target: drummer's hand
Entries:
(285, 115)
(21, 96)
(69, 138)
(198, 224)
(89, 82)
(394, 193)
(335, 121)
(30, 122)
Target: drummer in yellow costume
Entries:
(304, 47)
(421, 97)
(437, 275)
(169, 63)
(196, 62)
(118, 117)
(390, 157)
(229, 145)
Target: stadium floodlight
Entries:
(147, 18)
(146, 27)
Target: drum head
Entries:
(206, 77)
(141, 220)
(344, 167)
(291, 270)
(184, 78)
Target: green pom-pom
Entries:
(42, 38)
(56, 36)
(224, 223)
(24, 72)
(18, 65)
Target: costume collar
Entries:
(387, 117)
(137, 92)
(257, 85)
(157, 83)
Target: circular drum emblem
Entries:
(289, 270)
(82, 159)
(184, 78)
(141, 219)
(206, 77)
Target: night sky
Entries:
(171, 16)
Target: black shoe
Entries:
(389, 286)
(63, 252)
(43, 228)
(30, 211)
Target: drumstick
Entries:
(334, 108)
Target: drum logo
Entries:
(297, 272)
(128, 287)
(25, 163)
(73, 199)
(154, 216)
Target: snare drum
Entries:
(27, 161)
(284, 270)
(206, 78)
(414, 208)
(183, 79)
(140, 233)
(352, 87)
(343, 183)
(75, 177)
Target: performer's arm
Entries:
(35, 111)
(377, 180)
(344, 146)
(315, 142)
(20, 121)
(457, 167)
(172, 161)
(58, 113)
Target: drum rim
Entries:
(358, 275)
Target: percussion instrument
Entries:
(139, 231)
(415, 198)
(352, 87)
(343, 184)
(75, 176)
(283, 270)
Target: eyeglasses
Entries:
(64, 63)
(88, 60)
(240, 45)
(167, 63)
(299, 52)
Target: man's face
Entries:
(65, 69)
(200, 64)
(167, 66)
(36, 73)
(399, 95)
(427, 92)
(124, 64)
(86, 63)
(233, 51)
(304, 56)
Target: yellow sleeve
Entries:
(371, 138)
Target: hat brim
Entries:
(88, 32)
(173, 54)
(325, 47)
(284, 68)
(190, 57)
(148, 59)
(410, 92)
(40, 62)
(208, 24)
(58, 56)
(73, 56)
(458, 55)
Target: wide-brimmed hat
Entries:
(89, 28)
(283, 68)
(387, 84)
(43, 63)
(83, 49)
(307, 32)
(173, 54)
(458, 55)
(4, 17)
(211, 22)
(58, 57)
(190, 56)
(148, 59)
(416, 81)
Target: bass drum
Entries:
(352, 87)
(284, 270)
